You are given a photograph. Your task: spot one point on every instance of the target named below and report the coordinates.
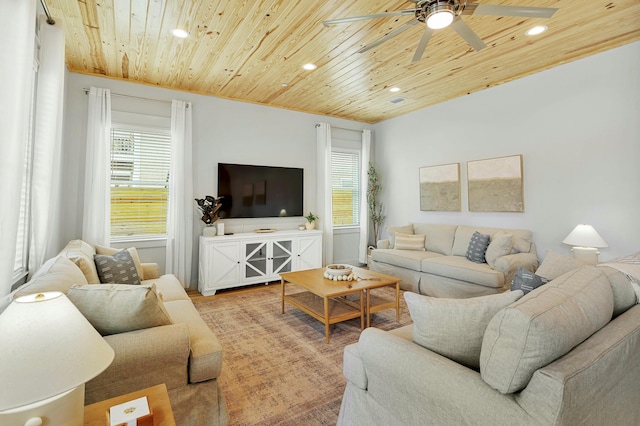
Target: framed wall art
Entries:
(496, 185)
(440, 188)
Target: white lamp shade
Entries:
(47, 348)
(584, 236)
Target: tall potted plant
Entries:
(373, 201)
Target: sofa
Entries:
(565, 353)
(439, 267)
(154, 329)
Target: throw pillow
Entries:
(500, 245)
(132, 251)
(555, 264)
(543, 326)
(478, 247)
(454, 328)
(406, 229)
(57, 274)
(526, 281)
(117, 308)
(118, 268)
(409, 242)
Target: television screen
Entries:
(260, 191)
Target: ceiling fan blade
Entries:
(424, 41)
(500, 10)
(365, 17)
(468, 34)
(389, 36)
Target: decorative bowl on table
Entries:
(338, 269)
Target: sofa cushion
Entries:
(205, 358)
(169, 287)
(526, 281)
(500, 245)
(555, 264)
(462, 269)
(57, 274)
(132, 251)
(118, 308)
(454, 327)
(409, 242)
(408, 259)
(438, 238)
(406, 229)
(542, 326)
(478, 247)
(118, 268)
(81, 254)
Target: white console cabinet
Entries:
(249, 258)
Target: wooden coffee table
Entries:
(325, 300)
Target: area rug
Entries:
(278, 368)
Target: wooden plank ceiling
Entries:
(253, 50)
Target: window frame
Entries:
(344, 229)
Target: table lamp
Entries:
(48, 351)
(585, 241)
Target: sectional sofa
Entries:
(439, 266)
(564, 354)
(154, 329)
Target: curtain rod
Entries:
(50, 19)
(86, 91)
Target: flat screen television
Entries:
(260, 191)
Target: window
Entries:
(140, 161)
(345, 179)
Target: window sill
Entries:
(346, 230)
(142, 241)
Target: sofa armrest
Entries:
(150, 271)
(383, 244)
(418, 386)
(143, 358)
(510, 263)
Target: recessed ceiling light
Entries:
(394, 89)
(283, 84)
(309, 67)
(179, 33)
(536, 30)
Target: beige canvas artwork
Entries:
(496, 185)
(440, 188)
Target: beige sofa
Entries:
(185, 355)
(564, 354)
(442, 269)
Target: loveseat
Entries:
(564, 354)
(168, 343)
(439, 266)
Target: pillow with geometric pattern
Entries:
(526, 281)
(119, 268)
(478, 247)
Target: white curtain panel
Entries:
(324, 201)
(364, 180)
(17, 34)
(96, 224)
(45, 180)
(181, 201)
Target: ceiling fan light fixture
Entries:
(440, 15)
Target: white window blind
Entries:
(345, 179)
(140, 161)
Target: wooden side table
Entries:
(96, 414)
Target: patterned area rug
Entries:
(277, 368)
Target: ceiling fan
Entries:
(438, 14)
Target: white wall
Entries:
(578, 128)
(223, 131)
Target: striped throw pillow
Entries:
(409, 242)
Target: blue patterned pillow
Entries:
(526, 281)
(478, 247)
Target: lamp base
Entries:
(588, 255)
(64, 409)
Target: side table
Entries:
(96, 414)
